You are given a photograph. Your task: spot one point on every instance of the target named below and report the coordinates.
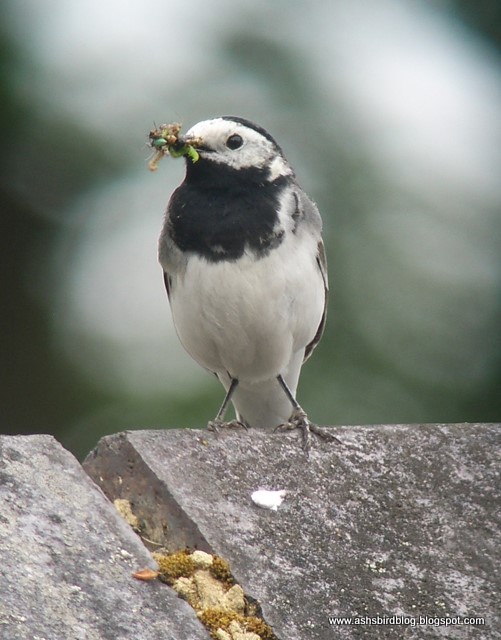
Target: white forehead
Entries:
(256, 151)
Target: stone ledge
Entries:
(400, 520)
(67, 557)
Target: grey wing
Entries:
(322, 265)
(168, 283)
(310, 215)
(170, 256)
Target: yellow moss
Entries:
(215, 619)
(174, 565)
(220, 569)
(212, 592)
(259, 627)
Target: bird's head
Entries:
(228, 143)
(238, 144)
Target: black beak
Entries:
(196, 143)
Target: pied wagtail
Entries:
(246, 274)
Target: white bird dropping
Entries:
(268, 499)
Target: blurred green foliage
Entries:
(48, 160)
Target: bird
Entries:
(245, 270)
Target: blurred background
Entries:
(389, 112)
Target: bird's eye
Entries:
(234, 142)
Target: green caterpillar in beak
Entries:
(165, 140)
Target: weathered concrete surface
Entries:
(66, 557)
(401, 520)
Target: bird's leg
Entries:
(218, 422)
(299, 420)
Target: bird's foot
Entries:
(299, 420)
(217, 424)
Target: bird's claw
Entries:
(217, 424)
(299, 420)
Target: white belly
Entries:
(249, 317)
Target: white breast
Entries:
(249, 316)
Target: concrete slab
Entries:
(67, 557)
(401, 520)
